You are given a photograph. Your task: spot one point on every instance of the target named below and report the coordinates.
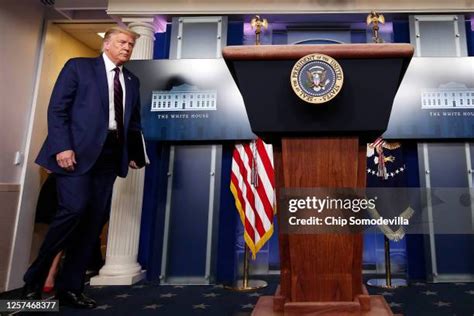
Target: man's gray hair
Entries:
(117, 30)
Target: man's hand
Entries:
(133, 165)
(66, 160)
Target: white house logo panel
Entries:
(450, 96)
(184, 98)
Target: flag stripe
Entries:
(267, 178)
(267, 162)
(258, 209)
(248, 192)
(247, 220)
(254, 201)
(267, 188)
(247, 225)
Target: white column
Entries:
(121, 266)
(144, 45)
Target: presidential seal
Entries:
(316, 78)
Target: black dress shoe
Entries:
(31, 292)
(88, 299)
(75, 299)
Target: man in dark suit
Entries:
(94, 106)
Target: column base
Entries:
(118, 279)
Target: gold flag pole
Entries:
(246, 285)
(388, 265)
(388, 283)
(245, 280)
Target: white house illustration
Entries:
(184, 97)
(451, 95)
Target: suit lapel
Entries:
(101, 77)
(128, 95)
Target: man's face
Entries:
(119, 48)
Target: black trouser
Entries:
(83, 209)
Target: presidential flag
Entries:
(253, 187)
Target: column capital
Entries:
(145, 19)
(158, 23)
(146, 29)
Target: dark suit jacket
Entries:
(78, 115)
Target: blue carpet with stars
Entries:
(149, 298)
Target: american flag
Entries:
(253, 186)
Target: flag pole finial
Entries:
(258, 23)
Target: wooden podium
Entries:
(320, 146)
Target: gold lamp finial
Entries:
(375, 18)
(257, 23)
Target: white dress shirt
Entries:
(109, 69)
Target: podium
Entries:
(320, 146)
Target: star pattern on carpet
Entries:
(167, 295)
(152, 306)
(178, 287)
(394, 304)
(419, 299)
(218, 286)
(459, 284)
(419, 284)
(125, 295)
(430, 292)
(103, 307)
